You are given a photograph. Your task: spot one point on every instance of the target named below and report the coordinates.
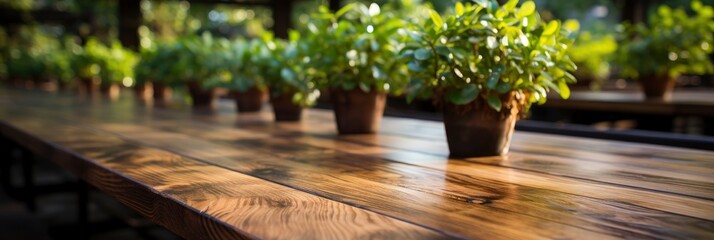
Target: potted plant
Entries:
(117, 69)
(192, 55)
(485, 65)
(59, 67)
(163, 76)
(672, 43)
(592, 54)
(143, 72)
(88, 63)
(154, 74)
(286, 71)
(356, 58)
(24, 67)
(233, 70)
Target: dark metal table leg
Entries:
(28, 177)
(6, 160)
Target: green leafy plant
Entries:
(22, 64)
(89, 61)
(593, 53)
(195, 59)
(113, 64)
(670, 44)
(59, 65)
(232, 68)
(146, 69)
(154, 64)
(279, 64)
(118, 65)
(356, 47)
(484, 52)
(290, 60)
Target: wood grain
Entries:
(199, 200)
(548, 187)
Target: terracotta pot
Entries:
(284, 108)
(250, 100)
(356, 111)
(141, 91)
(658, 87)
(89, 85)
(202, 98)
(110, 90)
(64, 85)
(161, 92)
(477, 130)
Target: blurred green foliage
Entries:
(354, 48)
(593, 53)
(112, 64)
(671, 43)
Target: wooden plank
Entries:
(198, 200)
(471, 198)
(459, 185)
(398, 190)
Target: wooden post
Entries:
(282, 17)
(129, 21)
(634, 10)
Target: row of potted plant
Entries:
(97, 66)
(485, 64)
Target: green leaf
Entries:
(344, 10)
(503, 87)
(436, 18)
(464, 95)
(364, 87)
(551, 28)
(377, 73)
(414, 88)
(374, 45)
(287, 74)
(422, 54)
(407, 54)
(495, 76)
(526, 9)
(510, 5)
(483, 3)
(459, 9)
(443, 51)
(571, 25)
(564, 90)
(415, 66)
(415, 36)
(349, 85)
(494, 102)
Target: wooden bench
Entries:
(232, 176)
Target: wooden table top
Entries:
(683, 102)
(228, 175)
